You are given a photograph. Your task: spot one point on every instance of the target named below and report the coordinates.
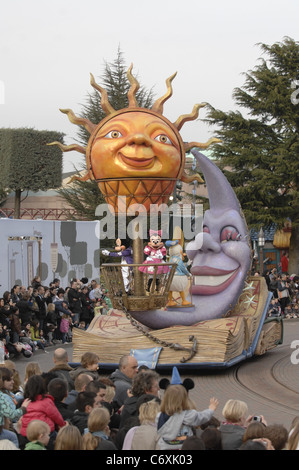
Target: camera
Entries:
(257, 419)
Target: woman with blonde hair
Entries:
(177, 417)
(69, 438)
(145, 436)
(96, 435)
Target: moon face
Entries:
(220, 256)
(220, 262)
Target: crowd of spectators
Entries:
(76, 408)
(68, 408)
(285, 291)
(39, 316)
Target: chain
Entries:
(175, 346)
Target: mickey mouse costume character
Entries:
(155, 252)
(122, 249)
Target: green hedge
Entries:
(27, 162)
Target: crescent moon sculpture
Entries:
(220, 254)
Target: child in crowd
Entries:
(51, 322)
(32, 368)
(144, 437)
(274, 309)
(96, 436)
(38, 435)
(69, 438)
(82, 325)
(104, 310)
(296, 311)
(65, 324)
(288, 311)
(27, 338)
(177, 417)
(36, 337)
(89, 364)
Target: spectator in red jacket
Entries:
(284, 262)
(42, 407)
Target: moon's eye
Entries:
(206, 229)
(229, 233)
(163, 139)
(113, 135)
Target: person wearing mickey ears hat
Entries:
(177, 418)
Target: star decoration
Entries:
(249, 301)
(248, 287)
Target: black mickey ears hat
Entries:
(176, 380)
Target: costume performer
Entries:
(180, 279)
(123, 249)
(155, 252)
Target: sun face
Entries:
(135, 152)
(135, 144)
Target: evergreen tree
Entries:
(86, 196)
(259, 152)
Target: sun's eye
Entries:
(229, 233)
(163, 139)
(113, 135)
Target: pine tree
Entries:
(259, 152)
(86, 196)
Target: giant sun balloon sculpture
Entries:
(137, 156)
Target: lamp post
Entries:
(261, 243)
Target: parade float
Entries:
(217, 316)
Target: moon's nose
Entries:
(209, 244)
(203, 243)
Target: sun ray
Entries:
(107, 108)
(89, 126)
(133, 90)
(190, 178)
(189, 145)
(188, 117)
(158, 105)
(84, 177)
(69, 148)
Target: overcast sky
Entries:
(49, 48)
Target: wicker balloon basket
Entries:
(137, 291)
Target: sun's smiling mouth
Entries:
(137, 162)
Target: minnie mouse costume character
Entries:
(155, 252)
